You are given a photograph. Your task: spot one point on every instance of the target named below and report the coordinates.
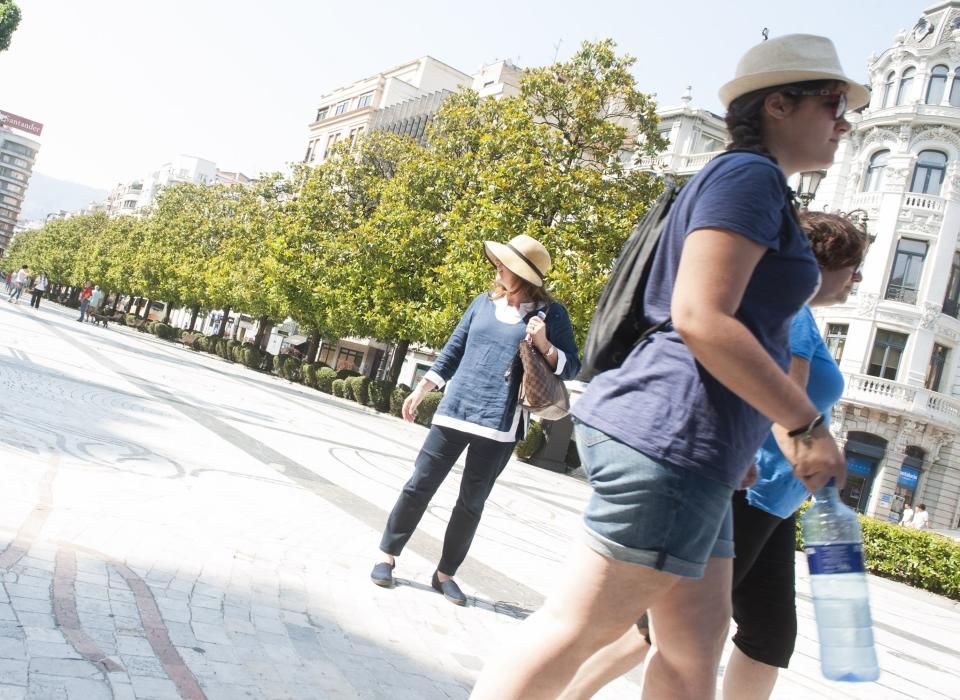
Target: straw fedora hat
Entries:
(794, 58)
(523, 256)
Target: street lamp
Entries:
(809, 182)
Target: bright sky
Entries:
(122, 86)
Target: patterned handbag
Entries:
(542, 392)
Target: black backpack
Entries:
(619, 323)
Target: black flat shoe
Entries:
(451, 591)
(382, 574)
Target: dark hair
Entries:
(534, 293)
(744, 117)
(837, 242)
(921, 507)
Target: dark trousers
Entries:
(486, 458)
(764, 592)
(35, 296)
(83, 308)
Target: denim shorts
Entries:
(650, 512)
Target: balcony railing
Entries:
(905, 295)
(924, 202)
(867, 200)
(917, 402)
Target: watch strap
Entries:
(806, 430)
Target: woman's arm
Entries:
(715, 269)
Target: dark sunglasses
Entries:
(837, 101)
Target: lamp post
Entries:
(809, 182)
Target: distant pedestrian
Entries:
(85, 300)
(907, 519)
(96, 298)
(20, 280)
(8, 280)
(39, 287)
(921, 518)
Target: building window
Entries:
(888, 90)
(907, 269)
(951, 300)
(322, 113)
(955, 91)
(836, 339)
(349, 359)
(906, 82)
(938, 360)
(887, 351)
(19, 148)
(937, 85)
(341, 108)
(873, 182)
(929, 173)
(365, 100)
(7, 199)
(327, 354)
(331, 140)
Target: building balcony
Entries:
(901, 399)
(924, 202)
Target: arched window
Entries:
(888, 92)
(937, 85)
(928, 173)
(875, 170)
(955, 91)
(906, 82)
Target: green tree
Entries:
(9, 21)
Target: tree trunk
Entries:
(193, 317)
(116, 301)
(263, 332)
(313, 346)
(166, 313)
(223, 323)
(235, 333)
(399, 355)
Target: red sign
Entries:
(12, 121)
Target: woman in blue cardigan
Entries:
(479, 412)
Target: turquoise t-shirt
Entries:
(777, 491)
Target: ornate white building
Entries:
(897, 340)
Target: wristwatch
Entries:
(806, 432)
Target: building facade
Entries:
(17, 156)
(694, 137)
(897, 340)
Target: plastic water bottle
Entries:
(834, 549)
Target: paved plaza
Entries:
(174, 526)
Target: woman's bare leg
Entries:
(598, 600)
(607, 665)
(690, 628)
(748, 679)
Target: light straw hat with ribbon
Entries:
(523, 256)
(794, 58)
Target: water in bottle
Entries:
(834, 549)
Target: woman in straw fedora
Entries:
(479, 412)
(669, 435)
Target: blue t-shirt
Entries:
(777, 491)
(661, 401)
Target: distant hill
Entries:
(46, 195)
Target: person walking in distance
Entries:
(96, 298)
(85, 300)
(20, 280)
(921, 518)
(480, 410)
(667, 437)
(907, 519)
(40, 285)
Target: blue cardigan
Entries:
(480, 352)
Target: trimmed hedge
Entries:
(308, 374)
(348, 389)
(379, 395)
(162, 330)
(397, 397)
(918, 558)
(251, 356)
(338, 386)
(278, 362)
(531, 442)
(347, 373)
(325, 379)
(428, 407)
(291, 369)
(359, 387)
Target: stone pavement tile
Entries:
(12, 692)
(235, 692)
(210, 633)
(12, 648)
(13, 672)
(11, 630)
(76, 688)
(29, 619)
(92, 590)
(42, 634)
(96, 621)
(6, 612)
(181, 634)
(42, 580)
(30, 605)
(20, 590)
(51, 650)
(143, 665)
(206, 616)
(154, 688)
(203, 601)
(41, 689)
(73, 668)
(92, 578)
(230, 674)
(135, 645)
(174, 610)
(122, 610)
(93, 606)
(121, 595)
